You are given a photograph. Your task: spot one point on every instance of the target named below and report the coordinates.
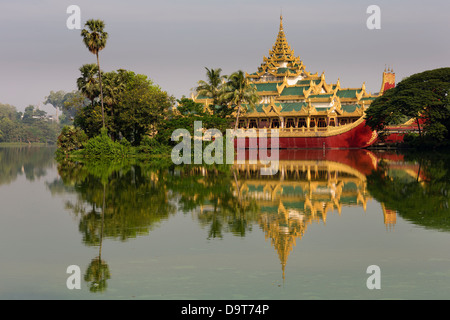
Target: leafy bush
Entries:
(71, 139)
(102, 146)
(152, 147)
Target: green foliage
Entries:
(212, 87)
(189, 112)
(94, 38)
(423, 97)
(238, 91)
(428, 141)
(151, 146)
(134, 107)
(88, 83)
(102, 146)
(31, 126)
(71, 139)
(424, 199)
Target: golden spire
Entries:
(281, 46)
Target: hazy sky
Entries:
(173, 41)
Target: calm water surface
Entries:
(310, 231)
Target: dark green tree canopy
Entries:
(423, 97)
(134, 106)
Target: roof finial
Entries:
(281, 19)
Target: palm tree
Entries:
(95, 40)
(87, 83)
(212, 87)
(238, 91)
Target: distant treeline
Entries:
(32, 125)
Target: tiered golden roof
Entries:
(287, 88)
(281, 56)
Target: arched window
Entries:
(290, 123)
(263, 123)
(275, 123)
(321, 123)
(252, 124)
(301, 122)
(332, 123)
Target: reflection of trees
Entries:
(210, 193)
(114, 200)
(97, 274)
(98, 270)
(30, 161)
(123, 200)
(134, 200)
(422, 198)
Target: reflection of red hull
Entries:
(362, 160)
(357, 137)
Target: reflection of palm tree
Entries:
(98, 272)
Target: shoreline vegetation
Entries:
(124, 115)
(121, 114)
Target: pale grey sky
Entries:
(173, 41)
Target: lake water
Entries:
(309, 231)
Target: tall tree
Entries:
(212, 87)
(239, 91)
(140, 108)
(95, 40)
(423, 97)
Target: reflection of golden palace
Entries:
(302, 193)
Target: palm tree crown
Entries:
(94, 38)
(87, 83)
(238, 91)
(212, 87)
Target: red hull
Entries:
(357, 137)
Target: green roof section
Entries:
(307, 82)
(368, 98)
(293, 191)
(283, 70)
(285, 107)
(266, 86)
(293, 91)
(321, 95)
(350, 107)
(293, 106)
(347, 93)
